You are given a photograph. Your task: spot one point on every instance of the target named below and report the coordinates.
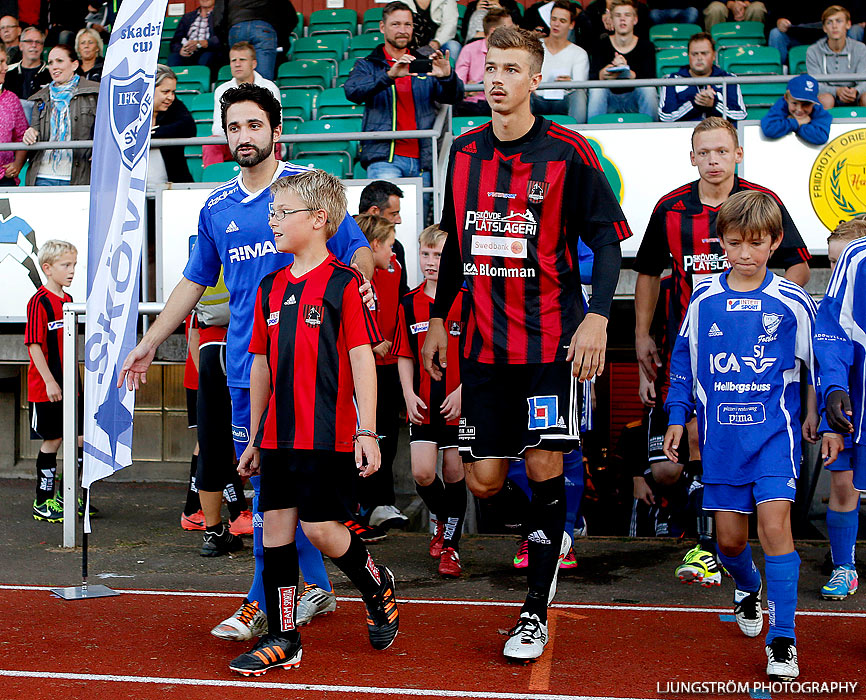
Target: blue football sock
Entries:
(572, 467)
(842, 529)
(257, 589)
(782, 573)
(742, 568)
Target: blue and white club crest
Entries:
(771, 322)
(131, 108)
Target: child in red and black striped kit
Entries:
(312, 340)
(43, 337)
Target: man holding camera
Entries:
(398, 88)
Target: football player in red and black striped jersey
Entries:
(520, 192)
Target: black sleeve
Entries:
(653, 256)
(605, 275)
(792, 250)
(601, 55)
(642, 60)
(451, 265)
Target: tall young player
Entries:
(520, 191)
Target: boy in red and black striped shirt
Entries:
(43, 336)
(312, 338)
(433, 407)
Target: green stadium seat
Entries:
(371, 20)
(297, 104)
(461, 124)
(757, 112)
(192, 79)
(224, 75)
(195, 168)
(848, 112)
(201, 106)
(333, 103)
(164, 50)
(672, 36)
(308, 74)
(751, 60)
(204, 129)
(620, 118)
(333, 21)
(324, 47)
(360, 46)
(169, 24)
(761, 94)
(797, 59)
(338, 164)
(359, 172)
(670, 61)
(563, 119)
(220, 172)
(461, 11)
(344, 68)
(326, 126)
(728, 34)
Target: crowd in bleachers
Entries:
(308, 60)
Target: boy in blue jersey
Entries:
(233, 232)
(736, 363)
(844, 507)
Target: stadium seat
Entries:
(220, 172)
(672, 36)
(761, 94)
(204, 129)
(751, 60)
(297, 104)
(333, 103)
(192, 79)
(521, 8)
(461, 124)
(670, 61)
(360, 46)
(192, 153)
(620, 118)
(343, 21)
(344, 68)
(372, 17)
(461, 11)
(797, 59)
(757, 112)
(336, 164)
(308, 74)
(201, 107)
(327, 48)
(299, 28)
(728, 34)
(224, 75)
(359, 172)
(164, 49)
(563, 119)
(848, 112)
(195, 169)
(169, 24)
(326, 126)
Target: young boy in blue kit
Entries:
(737, 363)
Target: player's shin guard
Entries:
(455, 506)
(783, 573)
(842, 530)
(546, 524)
(359, 568)
(572, 470)
(433, 496)
(46, 471)
(280, 576)
(743, 570)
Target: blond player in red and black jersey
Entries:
(312, 343)
(520, 192)
(433, 407)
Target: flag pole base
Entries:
(83, 592)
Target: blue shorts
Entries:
(858, 463)
(240, 418)
(843, 462)
(743, 499)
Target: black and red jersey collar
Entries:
(515, 147)
(695, 195)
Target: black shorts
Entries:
(46, 419)
(319, 483)
(191, 399)
(438, 432)
(216, 464)
(656, 423)
(508, 409)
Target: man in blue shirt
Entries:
(233, 234)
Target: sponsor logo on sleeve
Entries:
(55, 325)
(741, 413)
(420, 327)
(274, 318)
(743, 305)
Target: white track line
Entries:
(315, 688)
(472, 603)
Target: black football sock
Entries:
(358, 566)
(455, 498)
(46, 470)
(280, 581)
(219, 529)
(507, 508)
(433, 496)
(546, 523)
(192, 503)
(233, 493)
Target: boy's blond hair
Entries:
(849, 230)
(751, 214)
(432, 236)
(317, 190)
(51, 251)
(375, 227)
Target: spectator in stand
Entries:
(266, 24)
(65, 110)
(470, 65)
(598, 15)
(171, 120)
(623, 55)
(90, 49)
(838, 53)
(473, 20)
(436, 24)
(563, 61)
(98, 18)
(734, 11)
(799, 23)
(30, 73)
(10, 33)
(13, 124)
(677, 11)
(536, 19)
(242, 61)
(65, 18)
(697, 102)
(30, 12)
(195, 41)
(392, 96)
(799, 112)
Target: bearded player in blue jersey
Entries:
(233, 233)
(737, 364)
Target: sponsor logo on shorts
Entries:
(486, 270)
(791, 483)
(498, 246)
(287, 608)
(465, 432)
(55, 325)
(420, 327)
(743, 305)
(741, 413)
(274, 318)
(543, 412)
(373, 569)
(240, 433)
(656, 443)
